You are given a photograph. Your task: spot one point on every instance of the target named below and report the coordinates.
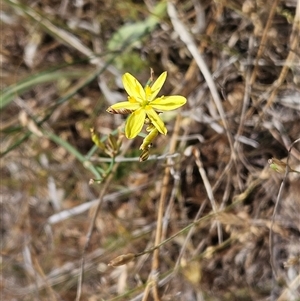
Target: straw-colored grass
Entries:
(213, 214)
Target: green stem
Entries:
(87, 164)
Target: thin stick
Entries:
(287, 170)
(187, 38)
(208, 189)
(291, 56)
(263, 42)
(92, 225)
(162, 200)
(155, 259)
(90, 232)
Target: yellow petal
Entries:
(133, 87)
(156, 120)
(148, 139)
(135, 123)
(168, 103)
(155, 88)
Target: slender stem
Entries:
(160, 214)
(106, 184)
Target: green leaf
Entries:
(9, 93)
(130, 33)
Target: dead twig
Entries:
(290, 58)
(263, 41)
(271, 244)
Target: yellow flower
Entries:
(143, 103)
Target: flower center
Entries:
(147, 100)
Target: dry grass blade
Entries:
(59, 33)
(188, 40)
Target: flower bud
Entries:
(277, 165)
(147, 142)
(96, 139)
(122, 111)
(144, 155)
